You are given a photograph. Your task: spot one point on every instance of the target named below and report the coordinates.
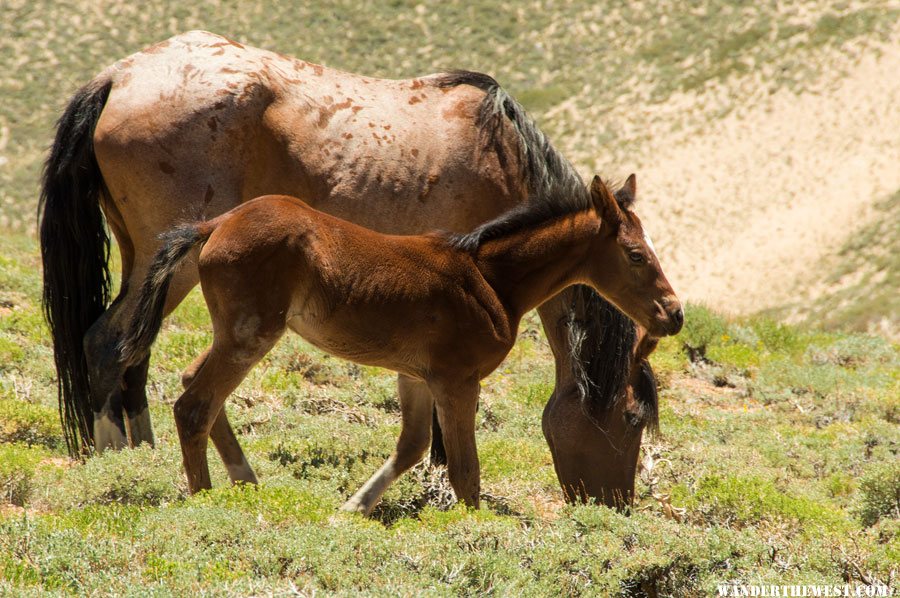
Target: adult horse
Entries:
(195, 125)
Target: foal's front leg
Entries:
(415, 434)
(456, 404)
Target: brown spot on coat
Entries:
(416, 84)
(414, 100)
(156, 48)
(459, 110)
(414, 152)
(347, 135)
(166, 167)
(357, 108)
(325, 114)
(318, 70)
(212, 123)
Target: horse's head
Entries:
(626, 270)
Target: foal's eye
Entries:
(636, 257)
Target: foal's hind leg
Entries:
(415, 410)
(222, 435)
(228, 362)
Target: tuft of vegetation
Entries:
(880, 493)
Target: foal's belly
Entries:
(364, 346)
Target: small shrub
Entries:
(274, 504)
(10, 353)
(777, 337)
(17, 468)
(702, 328)
(140, 476)
(29, 423)
(880, 493)
(743, 501)
(852, 351)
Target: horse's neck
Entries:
(528, 267)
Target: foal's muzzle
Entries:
(670, 315)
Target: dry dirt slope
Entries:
(748, 208)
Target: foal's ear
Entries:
(605, 204)
(628, 193)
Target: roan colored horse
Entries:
(195, 125)
(439, 309)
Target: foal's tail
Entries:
(147, 319)
(74, 254)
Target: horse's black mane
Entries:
(601, 337)
(554, 186)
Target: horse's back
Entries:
(197, 124)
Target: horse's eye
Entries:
(636, 257)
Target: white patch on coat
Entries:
(649, 243)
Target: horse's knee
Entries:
(190, 417)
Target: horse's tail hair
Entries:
(148, 316)
(75, 254)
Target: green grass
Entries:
(777, 457)
(775, 440)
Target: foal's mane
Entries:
(601, 337)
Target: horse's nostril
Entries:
(678, 316)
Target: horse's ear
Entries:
(630, 186)
(626, 195)
(605, 204)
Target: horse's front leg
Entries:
(457, 403)
(415, 413)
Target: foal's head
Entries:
(626, 270)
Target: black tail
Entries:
(148, 317)
(75, 255)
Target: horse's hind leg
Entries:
(199, 409)
(134, 402)
(118, 393)
(222, 434)
(415, 410)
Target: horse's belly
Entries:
(362, 347)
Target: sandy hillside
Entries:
(743, 207)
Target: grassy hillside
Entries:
(777, 461)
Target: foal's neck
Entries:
(528, 267)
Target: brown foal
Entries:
(440, 308)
